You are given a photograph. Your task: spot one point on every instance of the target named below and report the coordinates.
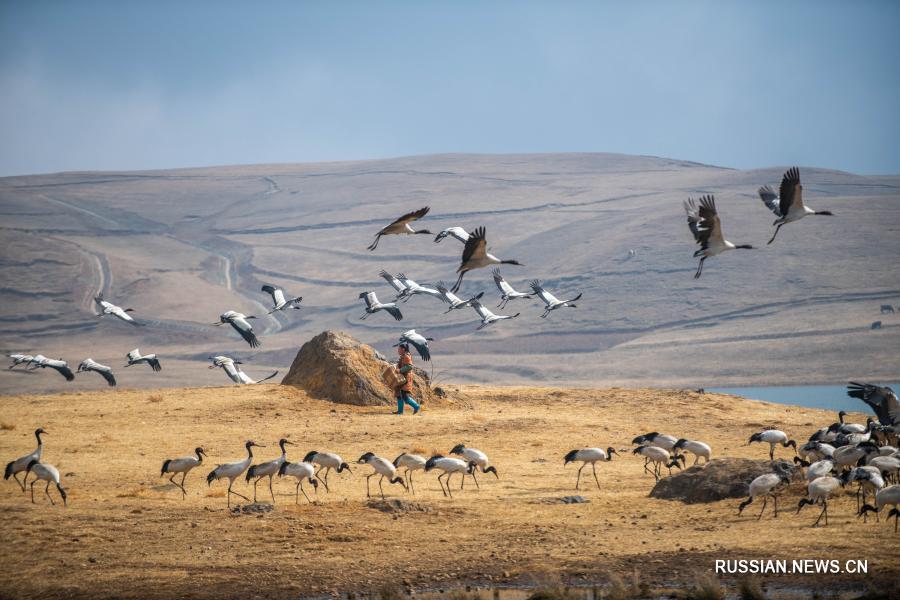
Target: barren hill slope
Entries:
(183, 246)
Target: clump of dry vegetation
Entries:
(155, 398)
(750, 589)
(706, 587)
(7, 426)
(619, 589)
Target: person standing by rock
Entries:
(404, 390)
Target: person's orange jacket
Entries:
(406, 359)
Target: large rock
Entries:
(335, 366)
(721, 478)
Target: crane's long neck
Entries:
(249, 452)
(40, 443)
(199, 457)
(283, 451)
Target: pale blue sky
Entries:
(122, 85)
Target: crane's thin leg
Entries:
(578, 479)
(765, 501)
(254, 488)
(699, 268)
(380, 489)
(774, 234)
(304, 492)
(32, 491)
(183, 491)
(47, 491)
(441, 483)
(772, 452)
(297, 492)
(21, 484)
(648, 470)
(775, 500)
(594, 467)
(458, 283)
(409, 473)
(448, 484)
(824, 512)
(230, 491)
(368, 495)
(270, 489)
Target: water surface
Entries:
(829, 397)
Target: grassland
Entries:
(127, 533)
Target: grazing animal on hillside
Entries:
(417, 341)
(59, 365)
(268, 469)
(48, 473)
(373, 306)
(326, 461)
(487, 317)
(108, 308)
(457, 233)
(704, 223)
(402, 226)
(452, 299)
(279, 300)
(302, 471)
(89, 364)
(448, 466)
(586, 456)
(241, 324)
(765, 486)
(507, 292)
(819, 490)
(773, 437)
(235, 373)
(233, 470)
(13, 468)
(410, 462)
(551, 302)
(788, 204)
(476, 256)
(383, 467)
(881, 399)
(134, 358)
(182, 465)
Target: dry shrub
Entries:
(133, 492)
(418, 450)
(155, 398)
(7, 426)
(706, 587)
(215, 493)
(389, 591)
(619, 589)
(750, 589)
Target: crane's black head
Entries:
(511, 262)
(803, 502)
(609, 452)
(62, 493)
(310, 456)
(251, 443)
(458, 449)
(800, 461)
(866, 508)
(792, 444)
(826, 213)
(744, 247)
(284, 441)
(491, 469)
(744, 505)
(569, 457)
(638, 450)
(129, 310)
(200, 452)
(315, 484)
(343, 467)
(841, 415)
(365, 458)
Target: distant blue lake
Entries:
(829, 397)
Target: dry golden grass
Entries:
(127, 533)
(7, 426)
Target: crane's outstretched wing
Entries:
(412, 216)
(791, 192)
(770, 199)
(476, 245)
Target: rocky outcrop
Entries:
(721, 478)
(335, 366)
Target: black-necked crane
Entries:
(695, 447)
(886, 496)
(820, 468)
(182, 465)
(241, 324)
(476, 457)
(457, 233)
(766, 486)
(410, 462)
(373, 306)
(654, 438)
(819, 490)
(452, 299)
(448, 466)
(845, 427)
(417, 341)
(507, 292)
(135, 358)
(788, 204)
(773, 437)
(326, 461)
(20, 359)
(233, 470)
(89, 364)
(58, 365)
(395, 283)
(268, 469)
(229, 365)
(108, 308)
(476, 256)
(301, 471)
(589, 456)
(413, 288)
(13, 468)
(402, 226)
(881, 399)
(704, 223)
(659, 457)
(279, 301)
(869, 479)
(551, 302)
(383, 467)
(45, 472)
(846, 456)
(487, 317)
